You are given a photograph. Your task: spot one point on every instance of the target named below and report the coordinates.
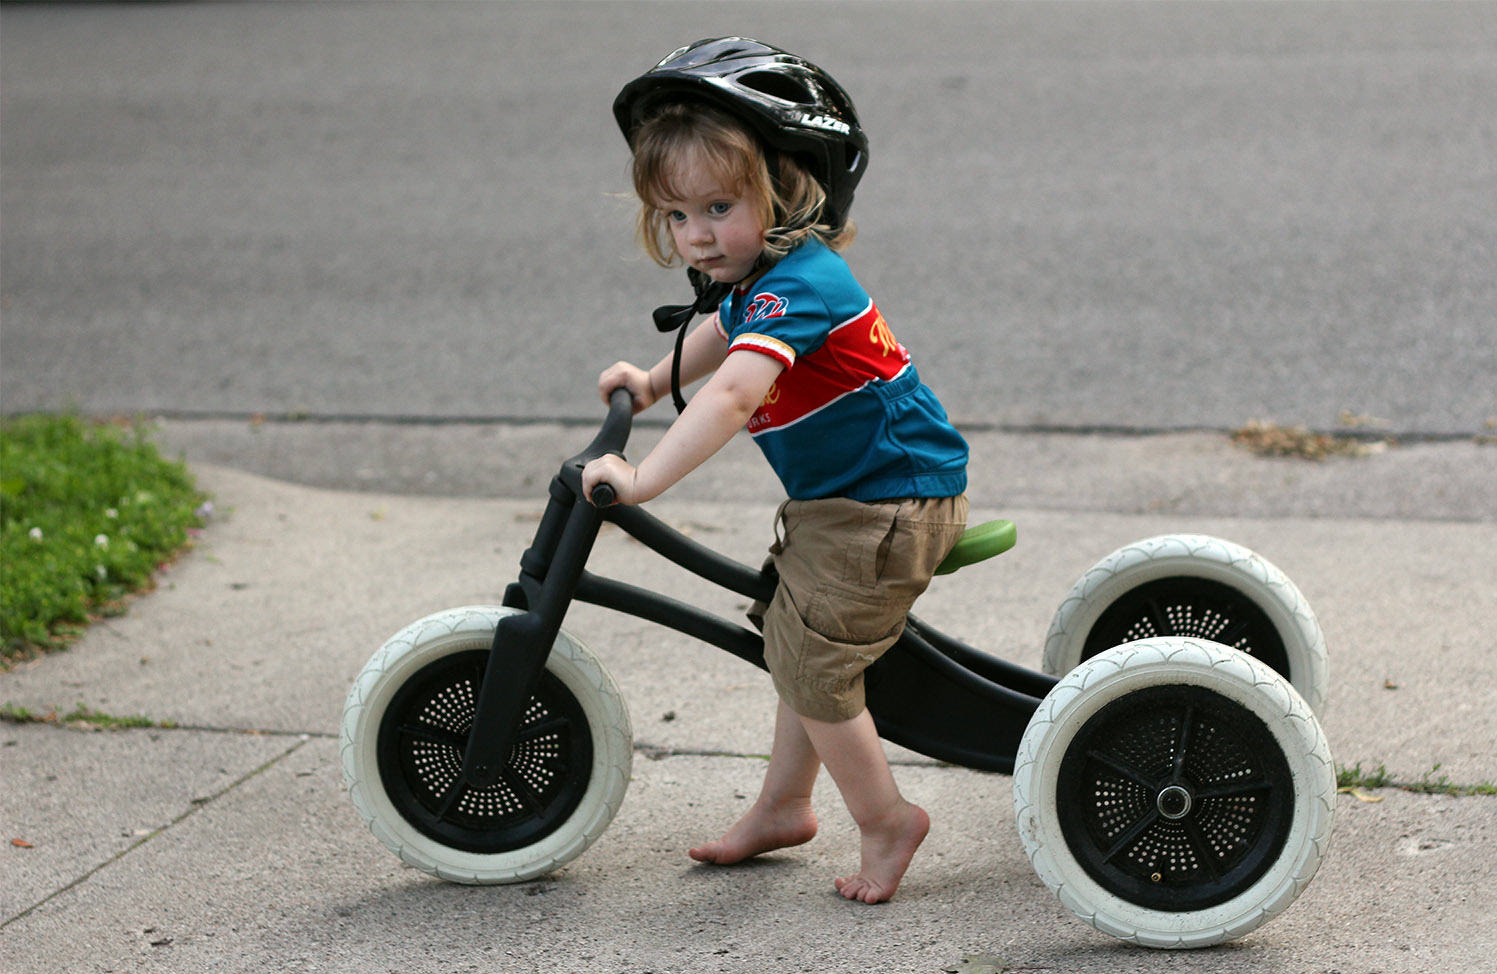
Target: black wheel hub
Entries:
(1175, 798)
(1186, 606)
(422, 739)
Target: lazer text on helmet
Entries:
(825, 122)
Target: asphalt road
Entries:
(1119, 215)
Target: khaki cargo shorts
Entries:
(849, 573)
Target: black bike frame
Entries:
(930, 693)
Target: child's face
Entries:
(718, 231)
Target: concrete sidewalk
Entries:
(226, 842)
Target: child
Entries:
(745, 161)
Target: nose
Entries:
(698, 231)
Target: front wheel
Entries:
(1174, 792)
(405, 729)
(1196, 586)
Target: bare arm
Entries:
(718, 411)
(704, 350)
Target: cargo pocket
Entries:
(923, 533)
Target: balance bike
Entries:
(1171, 780)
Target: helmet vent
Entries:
(778, 86)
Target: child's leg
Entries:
(892, 828)
(782, 815)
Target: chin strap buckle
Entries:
(675, 317)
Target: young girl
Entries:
(745, 161)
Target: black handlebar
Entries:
(603, 496)
(611, 438)
(615, 432)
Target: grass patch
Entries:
(81, 715)
(88, 513)
(1428, 784)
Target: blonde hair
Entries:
(791, 205)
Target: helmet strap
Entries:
(675, 317)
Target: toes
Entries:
(861, 889)
(711, 852)
(855, 888)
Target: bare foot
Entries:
(762, 829)
(887, 852)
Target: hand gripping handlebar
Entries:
(611, 438)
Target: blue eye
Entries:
(720, 208)
(676, 216)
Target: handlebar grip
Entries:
(615, 432)
(621, 400)
(611, 438)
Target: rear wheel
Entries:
(1195, 586)
(1174, 793)
(405, 730)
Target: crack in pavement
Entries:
(195, 805)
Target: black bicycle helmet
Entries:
(791, 104)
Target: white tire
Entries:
(1198, 586)
(403, 735)
(1174, 793)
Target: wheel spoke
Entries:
(1182, 745)
(1158, 618)
(1234, 635)
(1202, 849)
(542, 728)
(1235, 790)
(1113, 764)
(523, 791)
(1131, 835)
(449, 800)
(434, 735)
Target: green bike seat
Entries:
(979, 542)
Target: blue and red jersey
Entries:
(849, 416)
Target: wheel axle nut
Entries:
(1173, 802)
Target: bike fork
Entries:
(549, 572)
